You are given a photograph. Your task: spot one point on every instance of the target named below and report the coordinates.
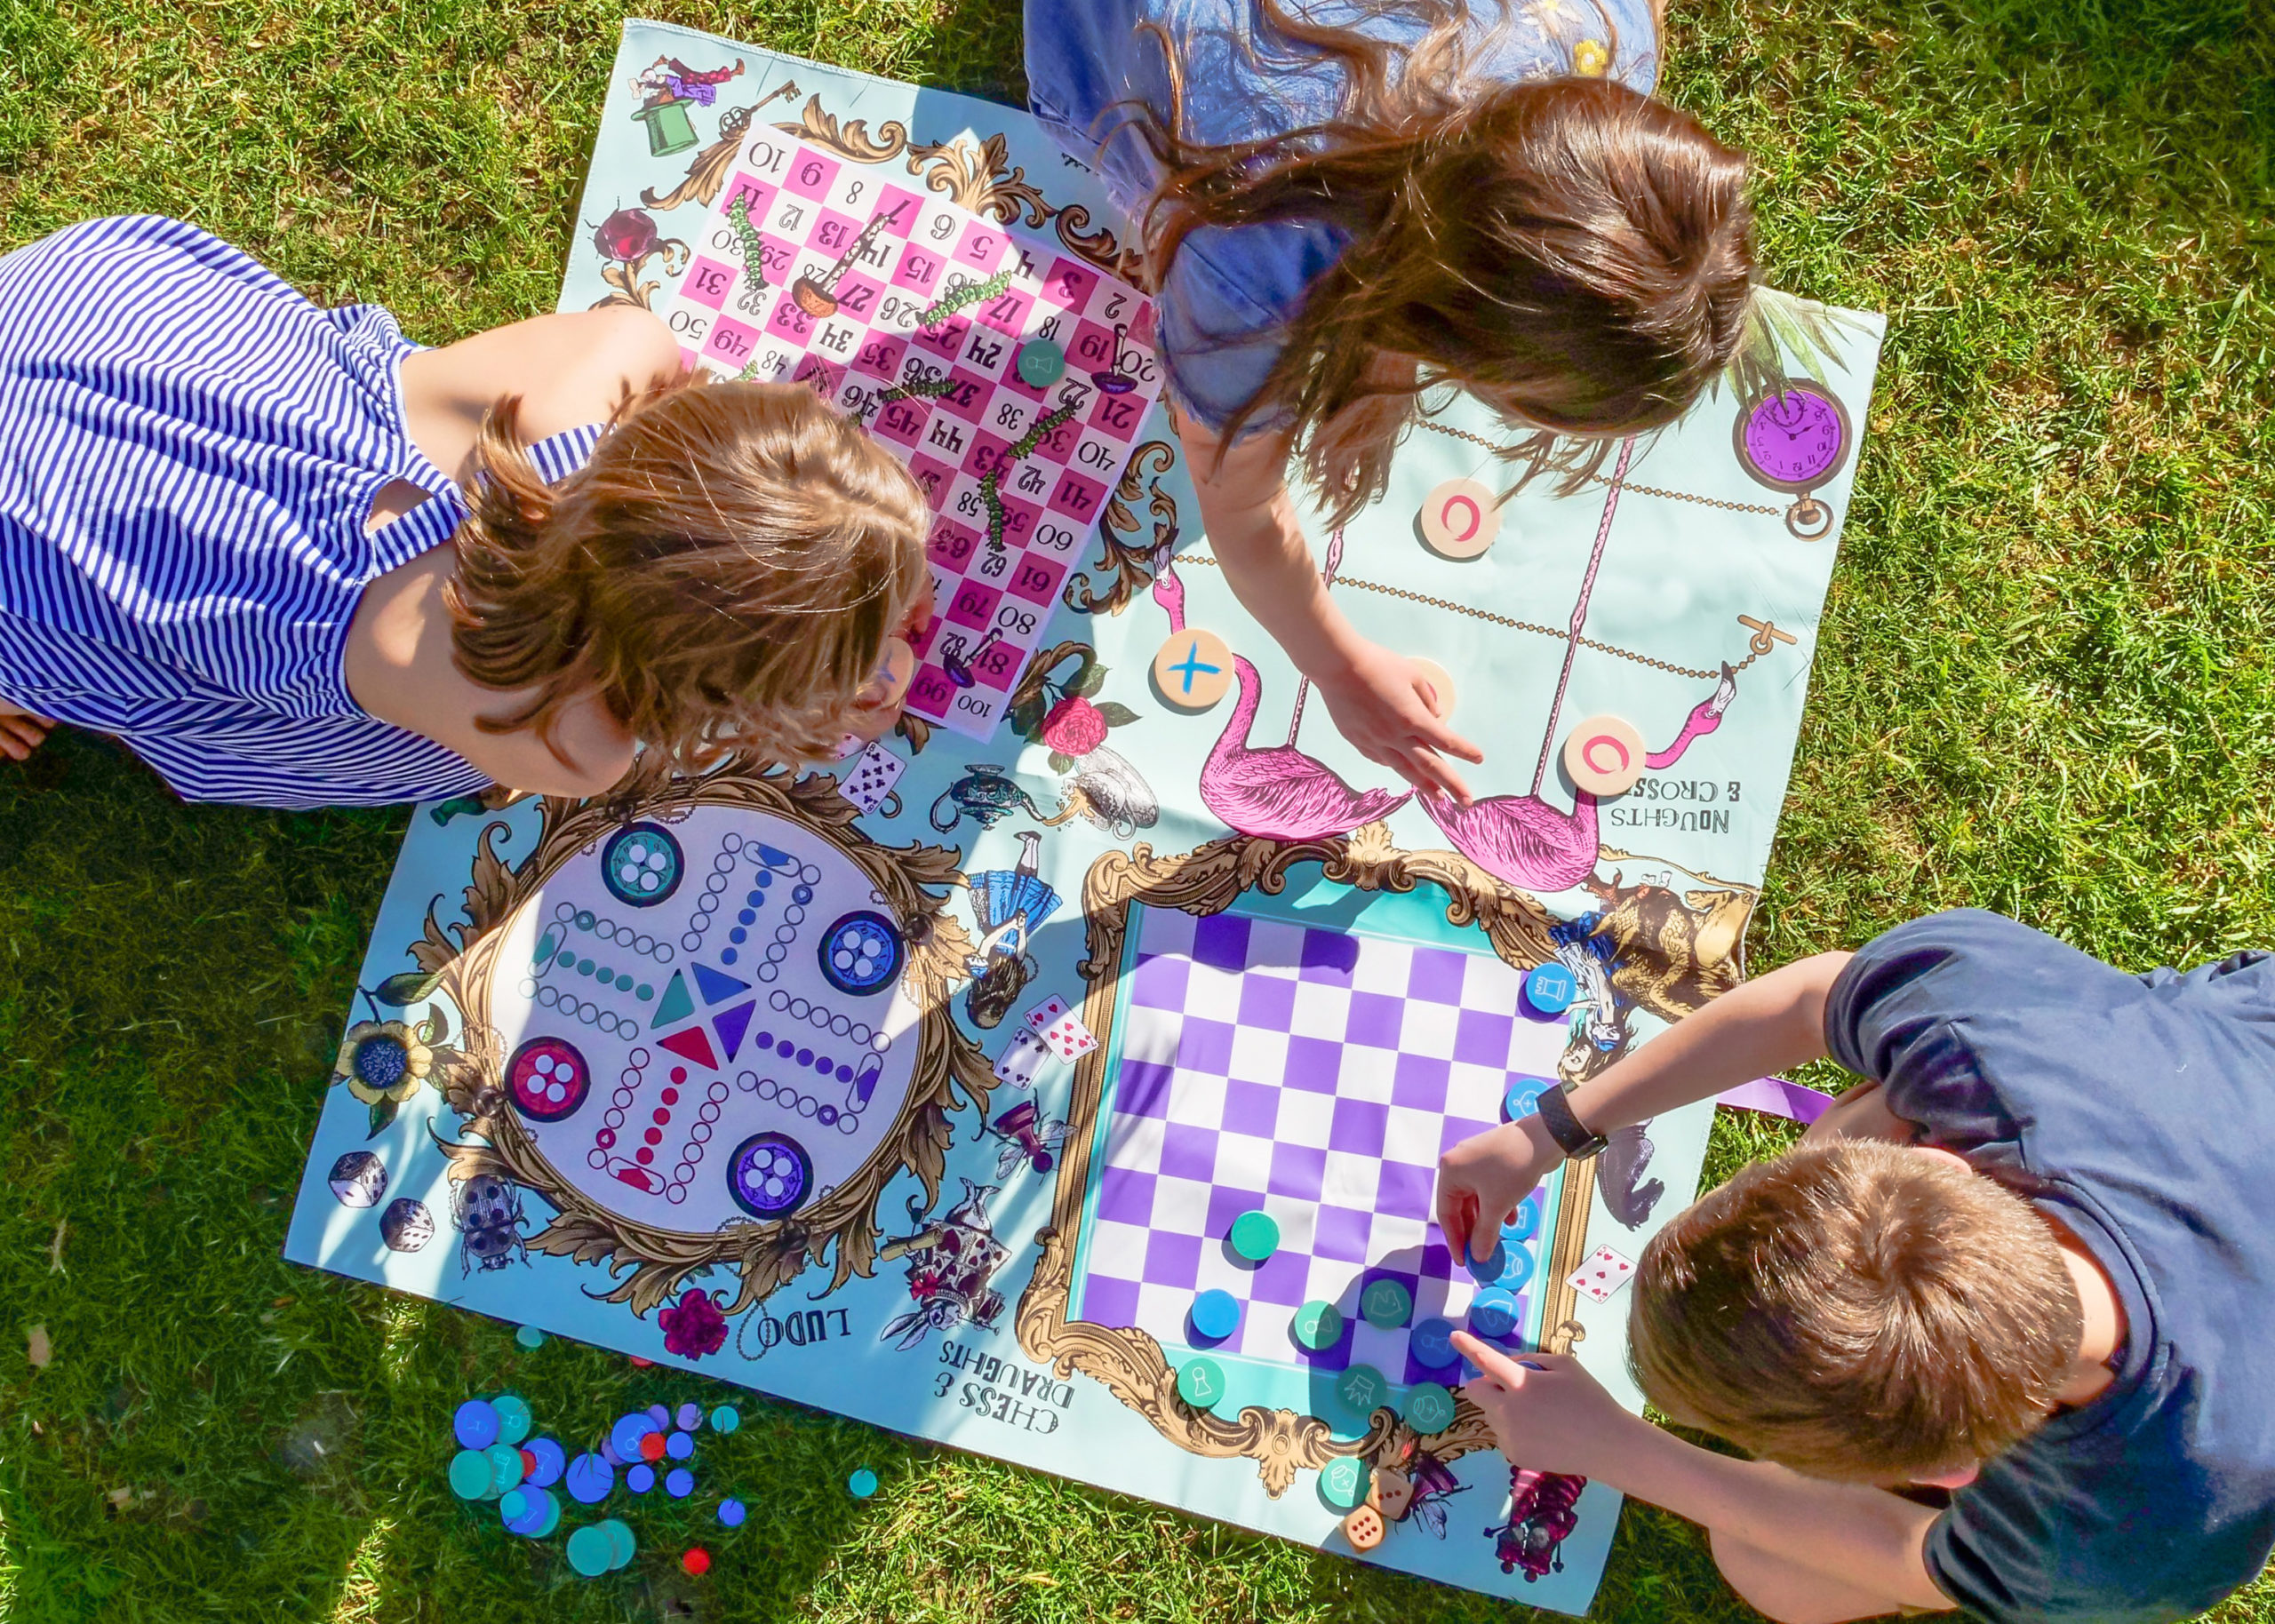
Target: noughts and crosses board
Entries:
(1011, 377)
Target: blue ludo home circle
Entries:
(768, 1174)
(642, 864)
(861, 952)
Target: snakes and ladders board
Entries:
(772, 1080)
(1010, 375)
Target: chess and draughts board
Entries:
(1011, 377)
(1316, 1076)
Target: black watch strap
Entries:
(1564, 1127)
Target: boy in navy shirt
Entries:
(1999, 1332)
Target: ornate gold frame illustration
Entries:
(914, 879)
(1131, 1364)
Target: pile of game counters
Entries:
(498, 1461)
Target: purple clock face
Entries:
(1795, 438)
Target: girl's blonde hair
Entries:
(724, 573)
(1578, 256)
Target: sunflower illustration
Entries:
(381, 1060)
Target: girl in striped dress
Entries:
(294, 559)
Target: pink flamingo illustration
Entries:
(1522, 838)
(1276, 792)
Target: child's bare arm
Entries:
(1798, 1548)
(1760, 1026)
(1376, 697)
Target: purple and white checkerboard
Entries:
(1318, 1076)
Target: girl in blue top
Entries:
(295, 559)
(1343, 203)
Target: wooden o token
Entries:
(1442, 682)
(1604, 756)
(1460, 518)
(1193, 671)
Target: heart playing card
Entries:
(1604, 1273)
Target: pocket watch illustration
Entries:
(1796, 442)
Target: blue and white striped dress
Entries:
(188, 453)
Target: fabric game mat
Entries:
(746, 1084)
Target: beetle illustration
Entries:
(1028, 1136)
(1541, 1518)
(1434, 1486)
(487, 1211)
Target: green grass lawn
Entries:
(2045, 688)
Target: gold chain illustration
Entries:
(1644, 491)
(1765, 635)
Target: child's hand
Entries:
(1546, 1410)
(21, 732)
(1378, 704)
(1482, 1180)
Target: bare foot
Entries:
(21, 732)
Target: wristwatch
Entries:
(1564, 1127)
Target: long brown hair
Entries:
(1577, 255)
(724, 572)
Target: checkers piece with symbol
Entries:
(1550, 989)
(1493, 1312)
(1342, 1482)
(1522, 1097)
(1433, 1344)
(1317, 1326)
(513, 1417)
(476, 1424)
(1256, 1236)
(1042, 363)
(1429, 1408)
(1363, 1388)
(1604, 756)
(1386, 1304)
(1460, 518)
(1201, 1382)
(1192, 670)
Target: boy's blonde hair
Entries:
(724, 572)
(1857, 1311)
